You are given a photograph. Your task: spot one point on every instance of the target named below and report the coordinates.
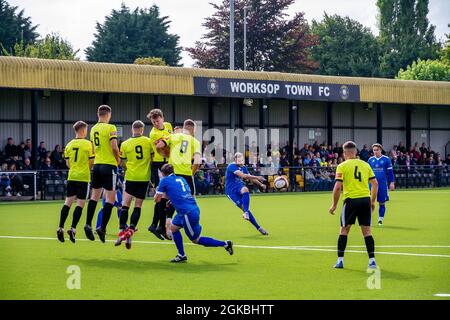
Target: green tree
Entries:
(152, 61)
(14, 27)
(50, 47)
(274, 42)
(434, 70)
(127, 35)
(405, 34)
(445, 52)
(346, 47)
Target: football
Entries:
(281, 183)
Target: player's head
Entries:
(156, 117)
(166, 170)
(349, 150)
(377, 148)
(138, 128)
(104, 113)
(80, 128)
(239, 159)
(177, 129)
(189, 125)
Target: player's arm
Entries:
(114, 143)
(250, 177)
(160, 190)
(123, 157)
(66, 157)
(197, 162)
(339, 180)
(91, 155)
(391, 177)
(374, 190)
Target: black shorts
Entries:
(104, 176)
(137, 189)
(190, 182)
(78, 188)
(154, 177)
(356, 208)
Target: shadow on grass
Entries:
(198, 266)
(398, 228)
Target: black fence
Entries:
(51, 185)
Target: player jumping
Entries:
(382, 167)
(354, 175)
(104, 176)
(188, 213)
(79, 159)
(236, 190)
(135, 153)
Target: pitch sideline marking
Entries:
(442, 295)
(300, 248)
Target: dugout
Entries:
(41, 99)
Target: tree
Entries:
(50, 47)
(127, 35)
(346, 47)
(405, 34)
(152, 61)
(434, 70)
(275, 43)
(14, 27)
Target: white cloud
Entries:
(76, 20)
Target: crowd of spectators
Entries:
(316, 161)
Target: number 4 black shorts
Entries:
(356, 208)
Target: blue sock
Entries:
(210, 242)
(178, 239)
(246, 201)
(99, 219)
(253, 220)
(381, 211)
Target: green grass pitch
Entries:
(294, 262)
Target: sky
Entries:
(75, 20)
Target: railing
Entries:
(51, 184)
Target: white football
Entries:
(281, 183)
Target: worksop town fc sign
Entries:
(242, 88)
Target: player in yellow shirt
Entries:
(160, 130)
(104, 175)
(353, 176)
(135, 153)
(79, 159)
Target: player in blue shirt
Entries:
(236, 190)
(188, 213)
(382, 167)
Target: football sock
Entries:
(370, 245)
(135, 218)
(123, 217)
(92, 204)
(76, 216)
(178, 239)
(155, 214)
(107, 210)
(162, 213)
(210, 242)
(99, 219)
(371, 260)
(342, 243)
(340, 259)
(64, 213)
(253, 220)
(246, 201)
(381, 211)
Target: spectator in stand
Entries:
(11, 149)
(284, 162)
(27, 149)
(21, 151)
(42, 152)
(49, 170)
(304, 151)
(26, 166)
(340, 160)
(338, 149)
(401, 159)
(311, 180)
(17, 186)
(401, 147)
(423, 159)
(394, 152)
(330, 154)
(364, 154)
(423, 149)
(447, 161)
(5, 181)
(307, 160)
(57, 158)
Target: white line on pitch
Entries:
(442, 295)
(304, 248)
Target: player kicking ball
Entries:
(135, 155)
(236, 190)
(382, 167)
(188, 213)
(354, 175)
(79, 159)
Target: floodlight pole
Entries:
(231, 34)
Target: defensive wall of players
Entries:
(42, 98)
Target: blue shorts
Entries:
(236, 197)
(383, 193)
(190, 222)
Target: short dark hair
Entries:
(138, 124)
(103, 110)
(377, 145)
(155, 113)
(79, 125)
(349, 145)
(167, 169)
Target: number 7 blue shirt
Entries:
(179, 193)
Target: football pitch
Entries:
(294, 262)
